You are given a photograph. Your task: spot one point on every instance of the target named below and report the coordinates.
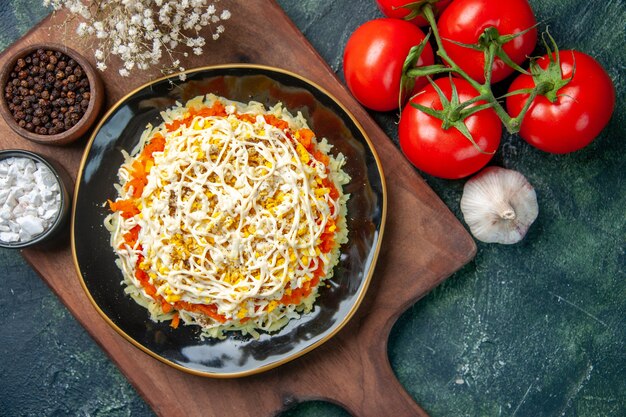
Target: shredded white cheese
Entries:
(233, 215)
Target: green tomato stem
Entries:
(430, 70)
(512, 124)
(516, 122)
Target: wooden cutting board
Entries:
(423, 244)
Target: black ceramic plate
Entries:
(236, 355)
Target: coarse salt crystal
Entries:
(9, 237)
(5, 213)
(31, 224)
(30, 199)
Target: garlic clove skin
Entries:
(499, 205)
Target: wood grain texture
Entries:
(423, 244)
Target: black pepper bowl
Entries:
(60, 225)
(89, 115)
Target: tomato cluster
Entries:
(373, 61)
(451, 127)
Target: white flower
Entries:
(141, 35)
(148, 24)
(81, 30)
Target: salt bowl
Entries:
(34, 199)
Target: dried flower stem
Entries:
(140, 32)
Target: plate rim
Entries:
(299, 353)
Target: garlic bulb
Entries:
(499, 205)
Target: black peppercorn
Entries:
(47, 92)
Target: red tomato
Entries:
(397, 9)
(447, 153)
(373, 60)
(465, 20)
(579, 112)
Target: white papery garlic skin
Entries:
(499, 205)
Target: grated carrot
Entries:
(127, 208)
